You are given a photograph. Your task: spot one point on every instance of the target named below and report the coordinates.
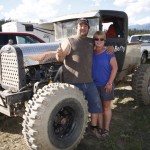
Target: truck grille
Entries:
(12, 73)
(9, 70)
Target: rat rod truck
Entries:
(55, 113)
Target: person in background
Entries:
(104, 70)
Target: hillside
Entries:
(140, 27)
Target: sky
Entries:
(35, 11)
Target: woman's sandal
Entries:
(105, 133)
(100, 131)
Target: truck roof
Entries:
(140, 34)
(77, 15)
(89, 14)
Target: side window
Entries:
(3, 39)
(20, 40)
(31, 39)
(24, 39)
(13, 38)
(135, 39)
(113, 27)
(28, 27)
(145, 38)
(94, 26)
(111, 32)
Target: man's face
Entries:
(82, 29)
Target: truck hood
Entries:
(34, 54)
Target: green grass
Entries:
(129, 129)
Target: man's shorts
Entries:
(91, 95)
(104, 95)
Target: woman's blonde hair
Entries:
(99, 33)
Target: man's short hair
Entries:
(83, 20)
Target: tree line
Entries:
(4, 21)
(130, 31)
(136, 31)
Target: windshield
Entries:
(135, 39)
(145, 38)
(67, 29)
(141, 38)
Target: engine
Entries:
(25, 64)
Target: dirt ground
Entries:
(11, 137)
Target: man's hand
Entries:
(59, 55)
(110, 49)
(59, 52)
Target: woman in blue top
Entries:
(104, 70)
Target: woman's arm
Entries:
(114, 66)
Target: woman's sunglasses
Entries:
(99, 39)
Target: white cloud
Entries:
(140, 21)
(69, 6)
(138, 7)
(34, 10)
(135, 10)
(1, 11)
(96, 2)
(1, 7)
(138, 10)
(145, 20)
(123, 2)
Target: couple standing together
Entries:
(88, 66)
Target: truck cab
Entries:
(114, 23)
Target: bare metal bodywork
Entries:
(132, 60)
(35, 54)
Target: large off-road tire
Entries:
(55, 118)
(141, 84)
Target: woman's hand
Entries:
(108, 88)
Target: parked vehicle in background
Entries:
(18, 38)
(144, 39)
(139, 38)
(39, 30)
(145, 51)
